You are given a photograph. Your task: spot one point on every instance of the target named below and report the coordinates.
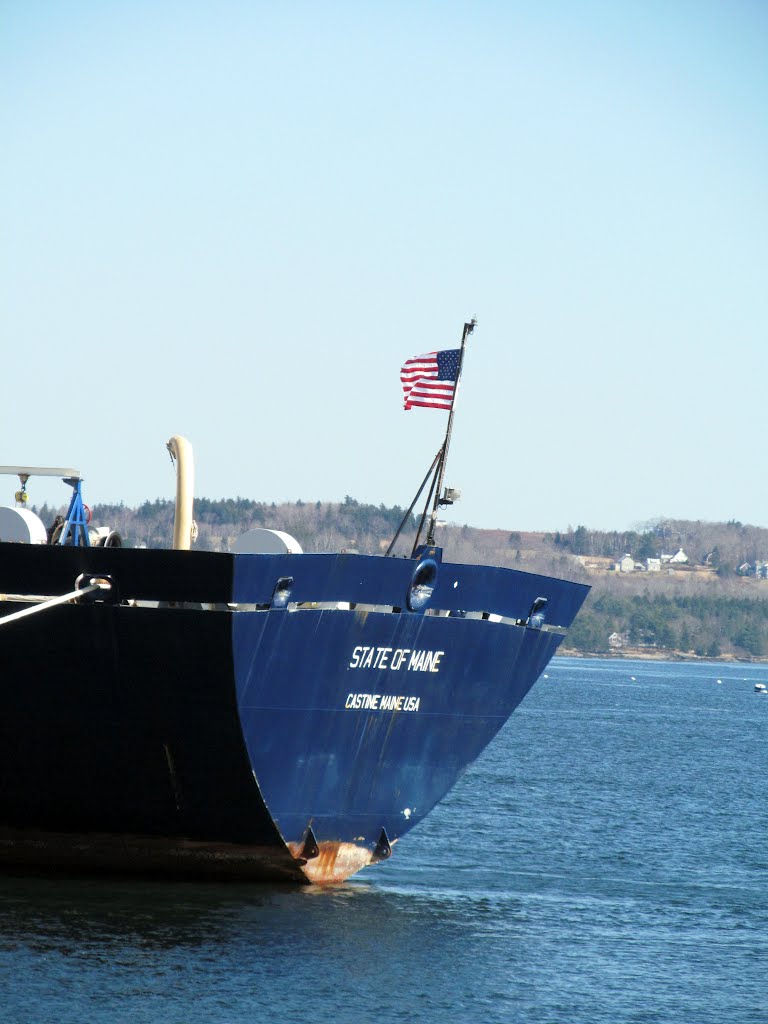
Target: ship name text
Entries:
(396, 658)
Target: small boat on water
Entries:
(264, 713)
(761, 688)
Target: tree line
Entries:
(705, 626)
(318, 526)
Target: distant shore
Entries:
(648, 654)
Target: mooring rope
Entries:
(53, 601)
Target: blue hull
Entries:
(326, 748)
(281, 717)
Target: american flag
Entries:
(430, 380)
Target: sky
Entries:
(236, 220)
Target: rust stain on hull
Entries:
(335, 861)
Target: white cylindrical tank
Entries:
(21, 526)
(267, 542)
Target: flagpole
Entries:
(469, 327)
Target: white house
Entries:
(680, 558)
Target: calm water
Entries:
(605, 861)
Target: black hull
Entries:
(131, 746)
